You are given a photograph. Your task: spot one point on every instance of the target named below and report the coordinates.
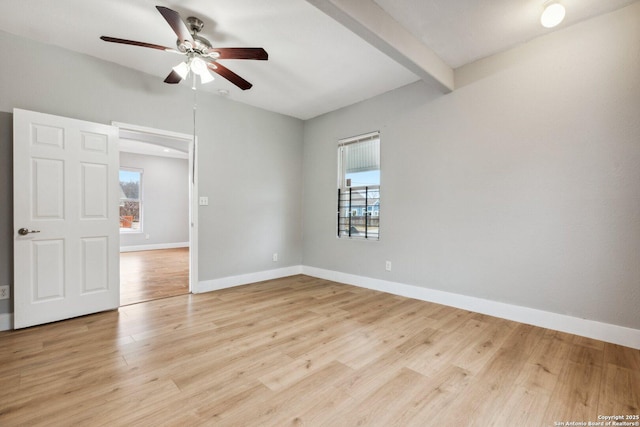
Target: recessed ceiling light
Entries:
(166, 150)
(553, 15)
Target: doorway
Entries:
(158, 250)
(153, 274)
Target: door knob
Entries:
(25, 231)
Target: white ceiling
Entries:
(316, 65)
(463, 31)
(149, 149)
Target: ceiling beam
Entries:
(377, 27)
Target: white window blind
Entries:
(361, 154)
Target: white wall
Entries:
(522, 186)
(265, 147)
(165, 192)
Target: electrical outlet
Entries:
(4, 292)
(204, 201)
(387, 265)
(275, 256)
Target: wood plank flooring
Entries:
(149, 275)
(304, 351)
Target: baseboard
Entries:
(244, 279)
(587, 328)
(6, 321)
(154, 247)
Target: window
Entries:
(130, 200)
(359, 187)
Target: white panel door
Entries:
(66, 218)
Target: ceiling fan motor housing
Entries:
(200, 45)
(195, 24)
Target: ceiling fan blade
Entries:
(173, 78)
(135, 43)
(240, 53)
(177, 24)
(230, 75)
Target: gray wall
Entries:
(255, 195)
(522, 186)
(256, 203)
(165, 189)
(6, 206)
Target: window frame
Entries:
(342, 187)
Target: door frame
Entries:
(192, 142)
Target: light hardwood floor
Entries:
(304, 351)
(149, 275)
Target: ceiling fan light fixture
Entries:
(198, 66)
(552, 15)
(206, 77)
(182, 69)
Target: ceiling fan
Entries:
(201, 57)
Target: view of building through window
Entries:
(130, 200)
